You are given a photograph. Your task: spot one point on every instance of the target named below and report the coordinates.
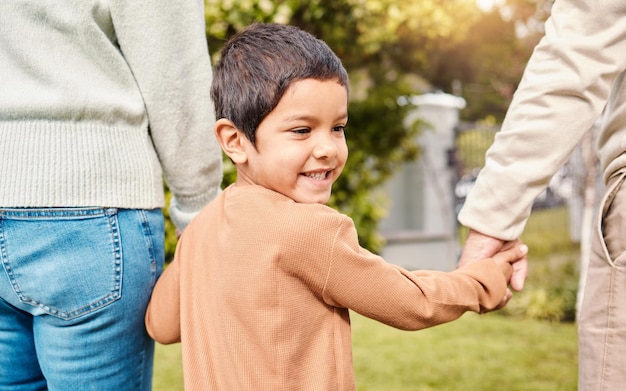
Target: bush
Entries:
(550, 292)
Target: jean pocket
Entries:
(65, 262)
(610, 225)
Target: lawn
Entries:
(476, 352)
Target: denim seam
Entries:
(150, 243)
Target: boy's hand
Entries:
(508, 257)
(479, 246)
(520, 266)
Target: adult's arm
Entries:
(564, 89)
(165, 45)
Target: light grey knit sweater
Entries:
(101, 99)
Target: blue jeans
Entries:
(74, 286)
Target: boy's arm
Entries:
(163, 313)
(409, 300)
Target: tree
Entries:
(486, 65)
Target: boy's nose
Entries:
(325, 148)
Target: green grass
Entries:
(168, 369)
(482, 353)
(488, 352)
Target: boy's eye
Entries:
(339, 128)
(301, 130)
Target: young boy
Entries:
(263, 278)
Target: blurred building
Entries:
(420, 228)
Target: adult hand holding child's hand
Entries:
(510, 255)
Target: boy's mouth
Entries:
(317, 175)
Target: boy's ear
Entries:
(231, 140)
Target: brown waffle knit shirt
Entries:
(260, 288)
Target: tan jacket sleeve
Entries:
(563, 91)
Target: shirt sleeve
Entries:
(409, 300)
(163, 313)
(165, 46)
(563, 91)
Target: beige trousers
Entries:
(602, 320)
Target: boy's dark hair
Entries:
(257, 66)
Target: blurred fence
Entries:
(566, 189)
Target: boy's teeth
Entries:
(319, 175)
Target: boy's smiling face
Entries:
(300, 145)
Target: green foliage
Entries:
(349, 26)
(552, 283)
(493, 59)
(549, 294)
(171, 238)
(489, 61)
